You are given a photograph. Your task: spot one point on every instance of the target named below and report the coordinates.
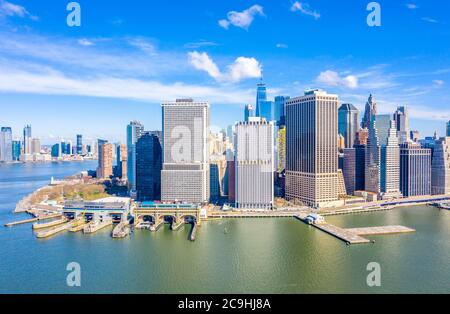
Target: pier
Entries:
(95, 226)
(53, 231)
(373, 231)
(35, 219)
(38, 226)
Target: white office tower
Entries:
(254, 144)
(185, 174)
(440, 167)
(390, 165)
(312, 148)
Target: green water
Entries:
(254, 256)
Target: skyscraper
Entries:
(249, 111)
(354, 168)
(214, 182)
(16, 150)
(415, 169)
(121, 161)
(383, 124)
(134, 131)
(312, 148)
(27, 139)
(370, 111)
(254, 164)
(105, 160)
(448, 129)
(348, 125)
(6, 144)
(440, 169)
(148, 167)
(373, 159)
(35, 146)
(390, 164)
(185, 174)
(280, 111)
(261, 96)
(79, 144)
(401, 117)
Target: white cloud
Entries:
(242, 19)
(85, 42)
(200, 43)
(304, 8)
(11, 9)
(438, 83)
(331, 78)
(280, 45)
(201, 61)
(412, 6)
(52, 82)
(429, 20)
(241, 68)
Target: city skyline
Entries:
(121, 64)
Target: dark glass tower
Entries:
(148, 167)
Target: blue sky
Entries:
(128, 56)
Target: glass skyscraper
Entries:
(148, 167)
(261, 96)
(6, 149)
(16, 150)
(79, 144)
(280, 110)
(348, 124)
(134, 131)
(448, 129)
(249, 111)
(27, 139)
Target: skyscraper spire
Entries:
(370, 111)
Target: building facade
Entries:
(312, 148)
(390, 164)
(6, 144)
(79, 144)
(440, 169)
(254, 164)
(370, 111)
(401, 118)
(185, 174)
(249, 112)
(372, 160)
(27, 139)
(348, 124)
(134, 131)
(105, 160)
(148, 167)
(354, 168)
(415, 170)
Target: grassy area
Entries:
(87, 192)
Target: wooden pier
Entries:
(373, 231)
(35, 219)
(343, 234)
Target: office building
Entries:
(35, 146)
(373, 160)
(79, 144)
(415, 170)
(16, 150)
(370, 111)
(105, 160)
(231, 176)
(414, 136)
(121, 161)
(280, 111)
(348, 124)
(401, 118)
(361, 137)
(134, 131)
(148, 166)
(312, 148)
(56, 151)
(448, 129)
(185, 174)
(249, 112)
(281, 142)
(440, 169)
(254, 164)
(261, 96)
(390, 164)
(214, 182)
(6, 144)
(354, 168)
(27, 139)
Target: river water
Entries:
(253, 256)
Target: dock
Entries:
(343, 234)
(38, 226)
(373, 231)
(53, 231)
(95, 226)
(35, 219)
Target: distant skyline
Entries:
(126, 59)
